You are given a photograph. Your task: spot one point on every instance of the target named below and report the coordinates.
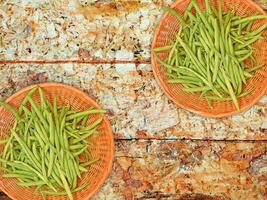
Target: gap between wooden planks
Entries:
(73, 61)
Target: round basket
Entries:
(102, 148)
(169, 25)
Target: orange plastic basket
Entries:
(169, 25)
(103, 144)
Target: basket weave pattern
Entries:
(103, 145)
(169, 26)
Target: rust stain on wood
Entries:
(188, 170)
(104, 8)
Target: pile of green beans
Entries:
(209, 51)
(48, 145)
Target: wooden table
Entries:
(162, 151)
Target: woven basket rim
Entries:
(164, 87)
(83, 95)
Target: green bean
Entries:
(191, 16)
(25, 100)
(65, 183)
(84, 113)
(231, 75)
(89, 162)
(21, 172)
(189, 78)
(221, 43)
(92, 125)
(64, 193)
(230, 89)
(258, 31)
(80, 151)
(27, 111)
(250, 18)
(84, 121)
(245, 56)
(90, 132)
(11, 109)
(182, 81)
(242, 52)
(82, 169)
(43, 164)
(75, 166)
(63, 113)
(237, 77)
(51, 129)
(51, 162)
(200, 14)
(37, 173)
(67, 170)
(72, 171)
(62, 125)
(32, 183)
(42, 99)
(74, 124)
(229, 98)
(38, 112)
(188, 10)
(208, 36)
(240, 70)
(76, 146)
(222, 85)
(16, 176)
(230, 45)
(65, 140)
(44, 132)
(216, 68)
(249, 42)
(197, 89)
(61, 157)
(39, 134)
(49, 106)
(56, 178)
(247, 74)
(26, 150)
(200, 57)
(192, 56)
(237, 40)
(208, 71)
(251, 69)
(7, 146)
(174, 13)
(72, 134)
(164, 48)
(34, 151)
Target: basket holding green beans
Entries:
(47, 147)
(212, 52)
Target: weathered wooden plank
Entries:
(71, 29)
(76, 30)
(262, 3)
(186, 170)
(136, 106)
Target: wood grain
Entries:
(187, 170)
(78, 30)
(162, 151)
